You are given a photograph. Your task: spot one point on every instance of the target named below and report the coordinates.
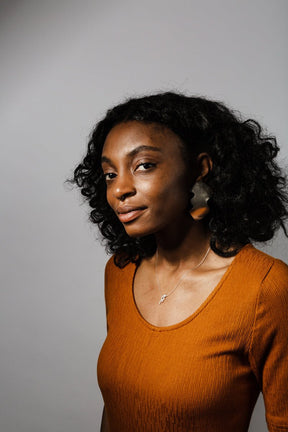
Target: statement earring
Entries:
(201, 193)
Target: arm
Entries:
(269, 346)
(104, 422)
(109, 265)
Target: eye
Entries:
(145, 166)
(109, 176)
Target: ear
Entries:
(204, 164)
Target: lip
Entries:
(129, 213)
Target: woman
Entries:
(180, 187)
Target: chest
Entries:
(187, 370)
(172, 301)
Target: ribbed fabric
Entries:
(205, 373)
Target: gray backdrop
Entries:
(63, 63)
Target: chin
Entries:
(134, 232)
(137, 234)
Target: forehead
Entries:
(126, 136)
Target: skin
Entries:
(151, 177)
(104, 422)
(144, 167)
(146, 177)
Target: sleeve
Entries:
(269, 346)
(107, 284)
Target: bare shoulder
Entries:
(216, 262)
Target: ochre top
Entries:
(205, 373)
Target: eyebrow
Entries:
(134, 152)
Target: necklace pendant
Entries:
(163, 298)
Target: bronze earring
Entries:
(201, 193)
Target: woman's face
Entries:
(147, 178)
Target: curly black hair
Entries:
(249, 197)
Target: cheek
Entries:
(167, 193)
(109, 197)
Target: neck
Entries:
(183, 246)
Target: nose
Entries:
(124, 187)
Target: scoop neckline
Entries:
(203, 305)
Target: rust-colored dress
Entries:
(205, 373)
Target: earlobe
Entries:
(205, 165)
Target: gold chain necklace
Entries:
(164, 296)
